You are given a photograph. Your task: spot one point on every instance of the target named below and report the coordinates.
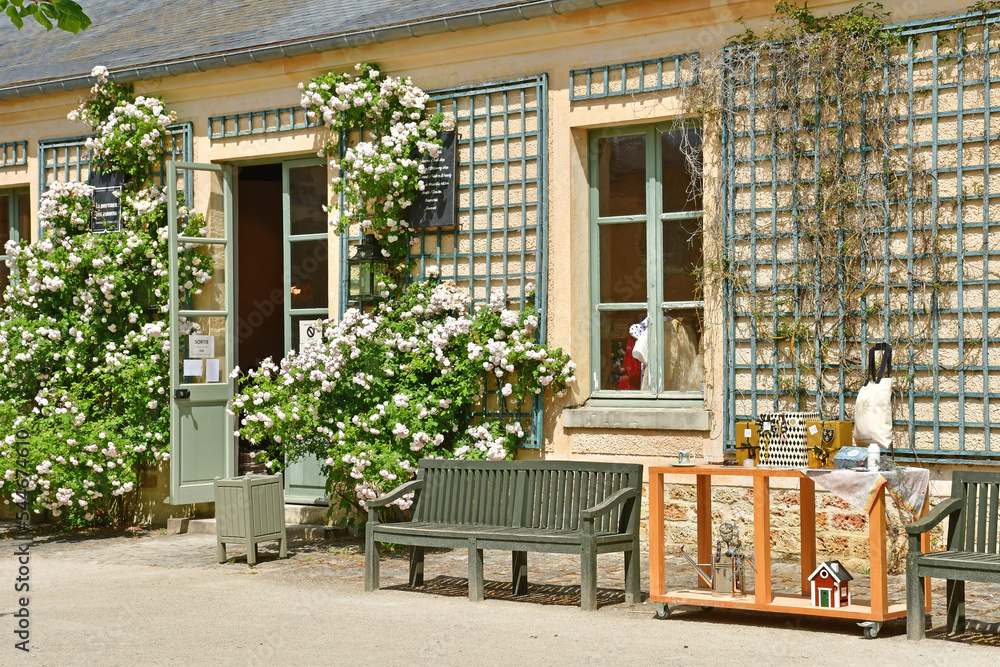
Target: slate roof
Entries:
(130, 33)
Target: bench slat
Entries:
(984, 490)
(609, 488)
(992, 544)
(970, 516)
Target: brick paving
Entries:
(554, 577)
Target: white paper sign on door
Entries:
(211, 370)
(192, 368)
(310, 331)
(201, 346)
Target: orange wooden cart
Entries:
(870, 613)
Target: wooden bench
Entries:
(973, 550)
(518, 506)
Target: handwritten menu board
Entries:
(435, 205)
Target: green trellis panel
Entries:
(68, 159)
(500, 240)
(13, 153)
(951, 419)
(632, 78)
(264, 121)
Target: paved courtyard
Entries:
(146, 596)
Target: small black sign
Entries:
(435, 205)
(107, 200)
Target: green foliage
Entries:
(62, 14)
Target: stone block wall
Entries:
(841, 530)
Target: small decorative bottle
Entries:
(874, 457)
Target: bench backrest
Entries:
(974, 528)
(536, 494)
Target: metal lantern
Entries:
(363, 266)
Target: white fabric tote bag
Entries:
(873, 409)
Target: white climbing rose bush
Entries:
(380, 173)
(83, 331)
(384, 389)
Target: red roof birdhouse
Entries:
(831, 585)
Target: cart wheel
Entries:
(662, 610)
(870, 629)
(707, 608)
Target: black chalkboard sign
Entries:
(435, 205)
(107, 200)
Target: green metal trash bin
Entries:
(250, 510)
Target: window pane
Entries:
(619, 368)
(681, 258)
(24, 217)
(306, 198)
(677, 194)
(623, 262)
(310, 275)
(682, 360)
(622, 175)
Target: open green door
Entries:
(307, 293)
(201, 340)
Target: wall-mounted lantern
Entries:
(364, 267)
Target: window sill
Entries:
(651, 419)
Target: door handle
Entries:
(182, 393)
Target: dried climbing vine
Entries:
(844, 249)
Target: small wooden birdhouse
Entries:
(831, 585)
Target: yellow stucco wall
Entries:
(554, 45)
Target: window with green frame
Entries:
(646, 250)
(15, 224)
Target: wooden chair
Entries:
(973, 552)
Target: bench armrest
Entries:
(395, 494)
(934, 517)
(611, 502)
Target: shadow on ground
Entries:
(568, 596)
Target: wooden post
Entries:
(762, 539)
(657, 584)
(703, 507)
(876, 543)
(807, 529)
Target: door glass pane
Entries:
(306, 198)
(209, 188)
(682, 256)
(202, 277)
(4, 237)
(309, 275)
(623, 262)
(683, 369)
(677, 180)
(203, 351)
(23, 217)
(622, 175)
(4, 221)
(620, 370)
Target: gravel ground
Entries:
(151, 598)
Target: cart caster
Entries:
(870, 629)
(704, 608)
(662, 610)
